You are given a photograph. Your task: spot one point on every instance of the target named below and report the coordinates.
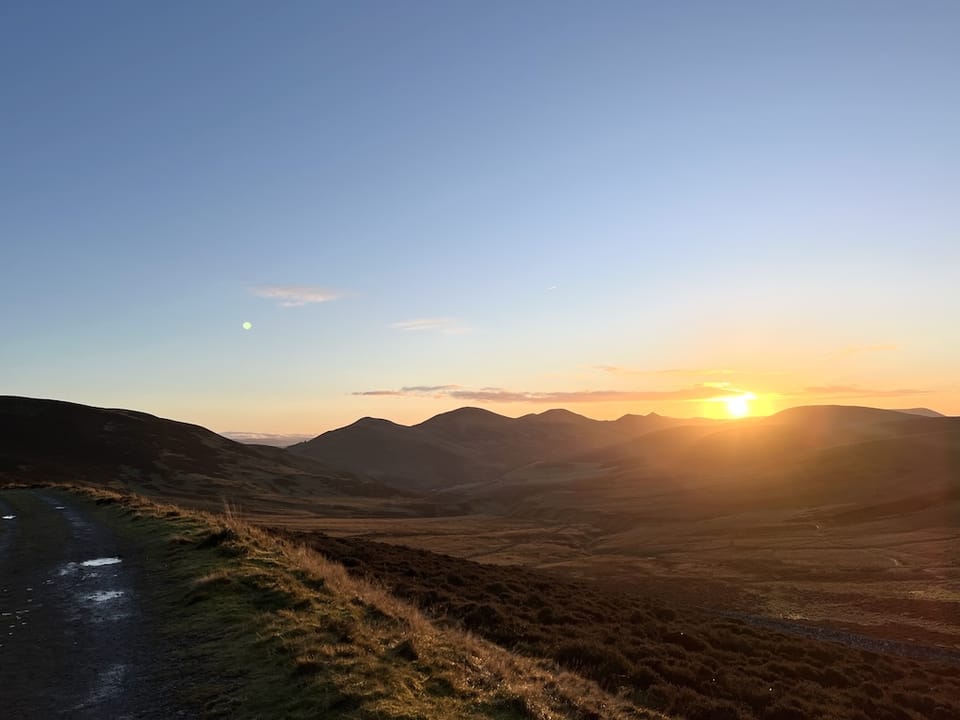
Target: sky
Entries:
(281, 217)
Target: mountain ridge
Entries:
(44, 440)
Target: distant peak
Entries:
(635, 417)
(837, 413)
(471, 410)
(553, 416)
(464, 414)
(926, 412)
(559, 412)
(468, 411)
(374, 422)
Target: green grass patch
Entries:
(272, 629)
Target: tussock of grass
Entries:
(689, 664)
(281, 631)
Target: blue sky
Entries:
(516, 205)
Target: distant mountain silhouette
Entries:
(54, 441)
(271, 439)
(837, 462)
(853, 462)
(922, 411)
(760, 441)
(390, 452)
(468, 445)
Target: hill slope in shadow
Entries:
(52, 441)
(468, 445)
(824, 459)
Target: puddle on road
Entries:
(109, 684)
(104, 595)
(9, 517)
(101, 561)
(72, 567)
(59, 507)
(18, 618)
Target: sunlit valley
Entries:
(516, 361)
(641, 554)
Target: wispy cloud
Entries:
(855, 391)
(589, 396)
(296, 295)
(450, 326)
(412, 390)
(427, 389)
(500, 395)
(699, 392)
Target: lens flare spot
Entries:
(248, 325)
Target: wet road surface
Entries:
(76, 639)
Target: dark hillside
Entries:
(395, 454)
(683, 661)
(52, 441)
(468, 445)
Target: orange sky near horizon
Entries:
(607, 392)
(774, 378)
(308, 218)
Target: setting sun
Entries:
(739, 406)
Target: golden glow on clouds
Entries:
(760, 383)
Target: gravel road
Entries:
(76, 637)
(850, 639)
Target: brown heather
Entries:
(286, 632)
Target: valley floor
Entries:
(893, 580)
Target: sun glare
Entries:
(739, 406)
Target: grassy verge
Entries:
(680, 661)
(276, 630)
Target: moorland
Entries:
(802, 564)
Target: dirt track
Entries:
(850, 639)
(77, 639)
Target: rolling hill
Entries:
(821, 519)
(827, 459)
(469, 445)
(53, 441)
(804, 456)
(834, 460)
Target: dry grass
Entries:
(685, 662)
(309, 640)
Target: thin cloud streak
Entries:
(590, 396)
(499, 395)
(701, 392)
(435, 391)
(296, 295)
(450, 326)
